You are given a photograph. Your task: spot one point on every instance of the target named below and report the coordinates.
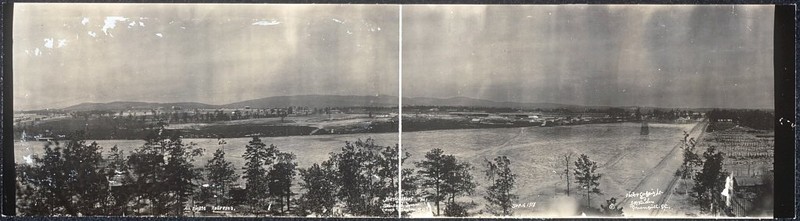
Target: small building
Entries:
(470, 114)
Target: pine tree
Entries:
(690, 158)
(120, 177)
(320, 185)
(258, 157)
(280, 180)
(443, 177)
(164, 173)
(359, 174)
(499, 193)
(388, 162)
(709, 182)
(586, 176)
(181, 175)
(64, 181)
(432, 176)
(220, 175)
(410, 185)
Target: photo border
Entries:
(786, 102)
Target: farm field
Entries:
(319, 121)
(625, 159)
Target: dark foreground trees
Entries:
(443, 177)
(499, 193)
(690, 159)
(160, 178)
(66, 180)
(157, 178)
(258, 158)
(366, 181)
(220, 177)
(280, 181)
(709, 182)
(164, 175)
(320, 183)
(360, 180)
(586, 176)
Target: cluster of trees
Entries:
(74, 179)
(707, 174)
(709, 183)
(669, 115)
(159, 178)
(441, 178)
(362, 179)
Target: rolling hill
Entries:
(322, 101)
(318, 101)
(126, 105)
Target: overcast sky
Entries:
(665, 56)
(65, 54)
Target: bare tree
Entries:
(567, 160)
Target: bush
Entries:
(455, 210)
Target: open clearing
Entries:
(624, 157)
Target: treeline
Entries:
(179, 115)
(107, 128)
(110, 128)
(756, 119)
(159, 179)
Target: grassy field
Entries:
(623, 156)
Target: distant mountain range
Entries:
(269, 102)
(334, 101)
(472, 102)
(125, 105)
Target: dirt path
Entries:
(493, 150)
(671, 187)
(659, 180)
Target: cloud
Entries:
(62, 43)
(266, 22)
(111, 23)
(48, 43)
(85, 21)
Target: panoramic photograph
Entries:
(206, 110)
(587, 110)
(295, 110)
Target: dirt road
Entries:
(650, 194)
